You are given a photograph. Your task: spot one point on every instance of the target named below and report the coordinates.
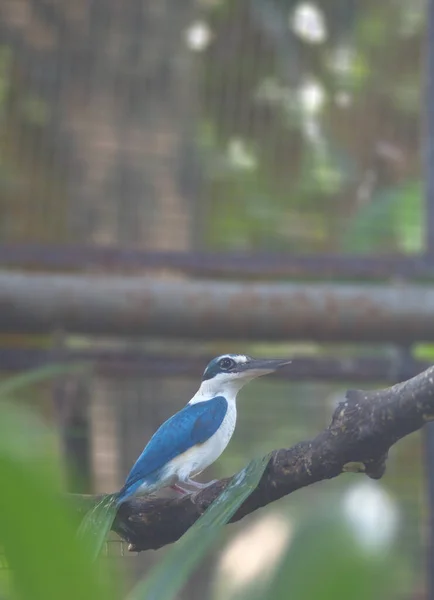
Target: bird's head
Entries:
(232, 371)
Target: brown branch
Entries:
(362, 430)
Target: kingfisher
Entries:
(195, 437)
(186, 444)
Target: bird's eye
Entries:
(226, 363)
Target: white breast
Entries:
(198, 458)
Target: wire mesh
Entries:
(280, 126)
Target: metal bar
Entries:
(429, 220)
(428, 141)
(71, 402)
(138, 306)
(53, 256)
(117, 363)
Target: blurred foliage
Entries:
(42, 557)
(12, 385)
(308, 123)
(311, 125)
(401, 209)
(340, 564)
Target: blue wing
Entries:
(192, 425)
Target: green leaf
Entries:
(17, 382)
(173, 571)
(393, 218)
(424, 352)
(97, 523)
(37, 531)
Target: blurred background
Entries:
(217, 139)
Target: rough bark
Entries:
(362, 429)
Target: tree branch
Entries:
(362, 430)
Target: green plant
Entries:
(37, 530)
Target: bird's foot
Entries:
(179, 489)
(200, 486)
(196, 486)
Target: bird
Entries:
(186, 444)
(194, 438)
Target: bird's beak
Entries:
(260, 367)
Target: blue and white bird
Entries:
(187, 443)
(191, 440)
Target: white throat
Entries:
(218, 386)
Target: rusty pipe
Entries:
(137, 306)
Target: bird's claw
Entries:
(200, 486)
(180, 490)
(196, 485)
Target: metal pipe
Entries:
(131, 363)
(429, 246)
(228, 264)
(133, 306)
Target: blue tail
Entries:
(128, 491)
